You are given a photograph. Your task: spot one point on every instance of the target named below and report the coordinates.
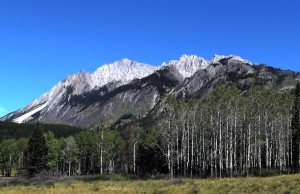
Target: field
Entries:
(278, 184)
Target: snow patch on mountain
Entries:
(24, 117)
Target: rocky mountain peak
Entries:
(187, 65)
(124, 71)
(216, 58)
(82, 97)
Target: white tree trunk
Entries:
(220, 145)
(69, 166)
(134, 166)
(249, 149)
(101, 154)
(169, 162)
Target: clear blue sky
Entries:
(42, 42)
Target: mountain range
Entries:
(129, 87)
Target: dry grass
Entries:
(280, 184)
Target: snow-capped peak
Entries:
(124, 71)
(187, 65)
(217, 58)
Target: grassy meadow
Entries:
(279, 184)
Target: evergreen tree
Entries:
(36, 153)
(296, 130)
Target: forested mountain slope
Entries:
(84, 100)
(191, 117)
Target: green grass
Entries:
(279, 184)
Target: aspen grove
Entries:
(226, 133)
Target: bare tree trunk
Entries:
(9, 166)
(188, 147)
(204, 163)
(267, 142)
(169, 163)
(220, 145)
(249, 149)
(101, 154)
(79, 167)
(69, 166)
(211, 157)
(134, 166)
(259, 144)
(227, 143)
(215, 155)
(235, 143)
(192, 150)
(177, 153)
(212, 151)
(231, 153)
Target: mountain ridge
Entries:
(127, 86)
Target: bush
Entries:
(269, 172)
(160, 176)
(135, 177)
(14, 181)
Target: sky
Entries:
(42, 42)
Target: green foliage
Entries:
(269, 172)
(36, 155)
(71, 150)
(189, 137)
(235, 76)
(8, 156)
(53, 149)
(87, 145)
(14, 130)
(295, 127)
(113, 150)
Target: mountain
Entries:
(115, 74)
(236, 71)
(127, 87)
(188, 65)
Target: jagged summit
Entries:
(217, 58)
(187, 65)
(124, 71)
(61, 102)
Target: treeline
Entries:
(14, 130)
(226, 133)
(14, 141)
(88, 152)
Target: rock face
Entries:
(128, 87)
(236, 71)
(188, 65)
(220, 70)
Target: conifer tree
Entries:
(296, 130)
(36, 152)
